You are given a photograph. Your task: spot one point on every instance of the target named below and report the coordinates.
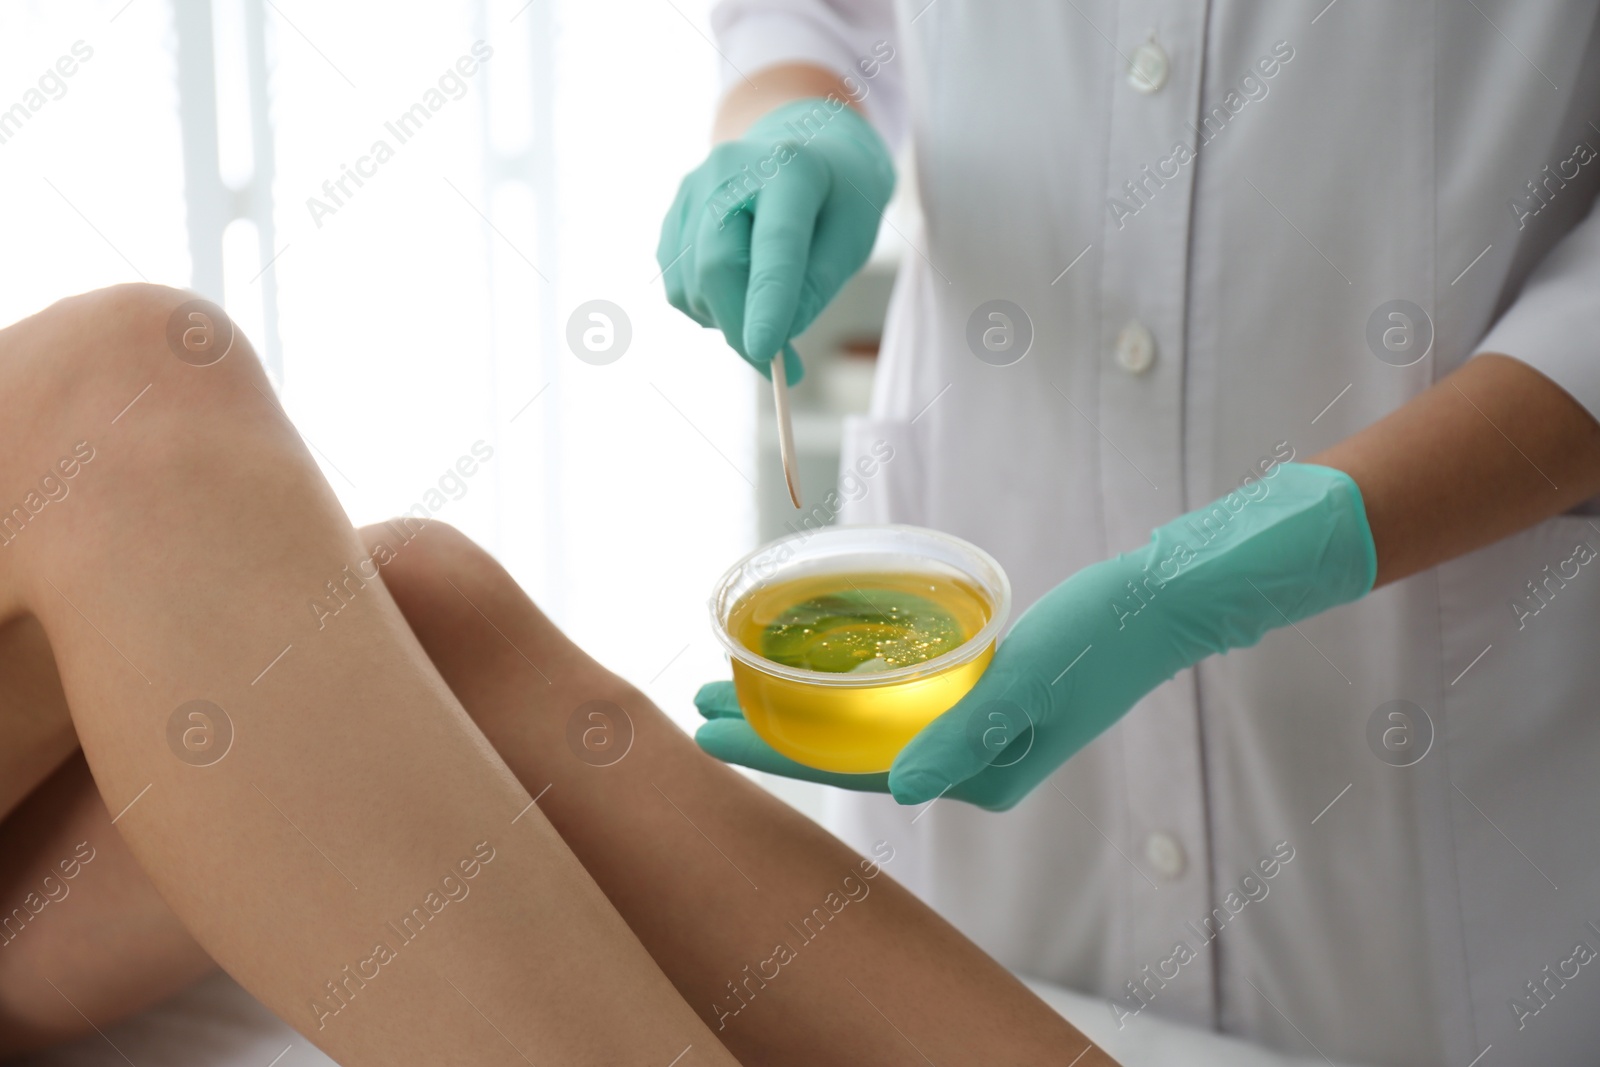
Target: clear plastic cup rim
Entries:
(993, 583)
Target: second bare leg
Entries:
(793, 949)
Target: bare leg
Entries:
(82, 919)
(38, 727)
(712, 873)
(352, 860)
(74, 906)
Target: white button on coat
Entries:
(1165, 855)
(1135, 348)
(1148, 67)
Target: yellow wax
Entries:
(853, 626)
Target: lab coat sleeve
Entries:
(1554, 323)
(839, 35)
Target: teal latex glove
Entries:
(1088, 650)
(765, 232)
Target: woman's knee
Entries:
(150, 388)
(85, 339)
(425, 559)
(478, 626)
(134, 358)
(444, 582)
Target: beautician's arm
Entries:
(1493, 448)
(772, 88)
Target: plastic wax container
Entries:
(856, 723)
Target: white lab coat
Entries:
(1387, 159)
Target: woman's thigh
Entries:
(83, 934)
(117, 948)
(34, 719)
(85, 939)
